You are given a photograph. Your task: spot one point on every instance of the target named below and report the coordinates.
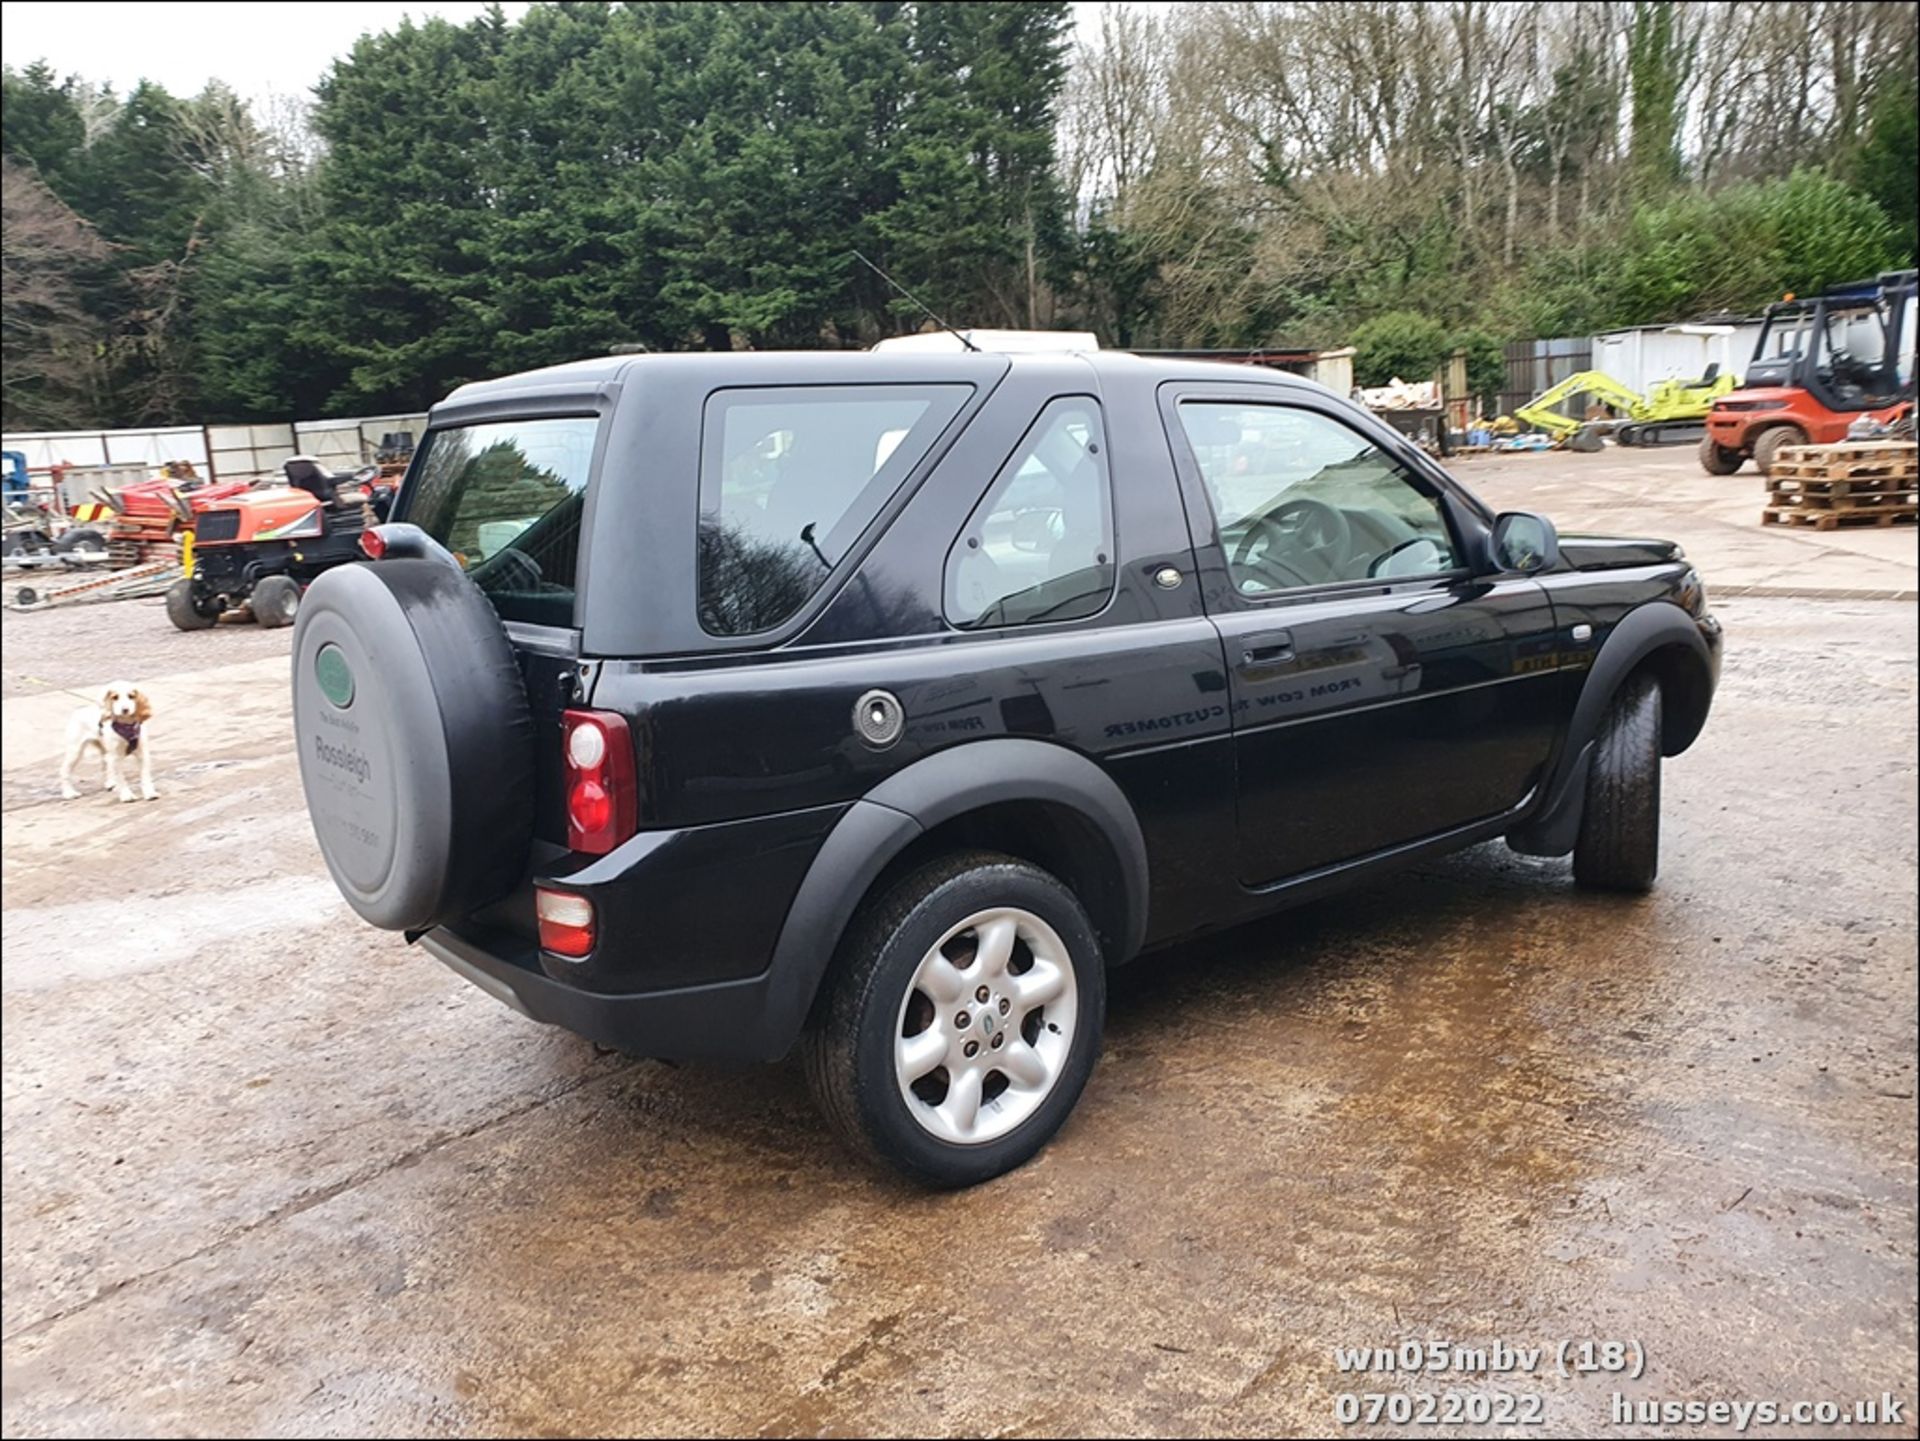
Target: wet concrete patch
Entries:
(301, 1180)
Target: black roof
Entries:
(586, 384)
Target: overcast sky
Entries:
(258, 49)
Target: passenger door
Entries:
(1381, 693)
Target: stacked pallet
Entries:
(1824, 487)
(141, 540)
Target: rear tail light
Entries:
(566, 922)
(373, 543)
(603, 794)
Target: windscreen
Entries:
(505, 497)
(1851, 355)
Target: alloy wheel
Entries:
(986, 1026)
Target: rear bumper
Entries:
(687, 925)
(725, 1021)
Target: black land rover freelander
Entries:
(714, 704)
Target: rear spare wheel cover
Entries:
(420, 815)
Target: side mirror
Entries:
(1524, 543)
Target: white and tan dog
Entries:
(118, 728)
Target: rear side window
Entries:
(790, 477)
(1039, 546)
(505, 498)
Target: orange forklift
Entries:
(1819, 366)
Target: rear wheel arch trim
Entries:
(928, 793)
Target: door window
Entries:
(1303, 500)
(790, 477)
(1039, 546)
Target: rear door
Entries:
(506, 498)
(1380, 692)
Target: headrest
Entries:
(1210, 426)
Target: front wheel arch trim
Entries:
(1659, 634)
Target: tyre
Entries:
(26, 542)
(1716, 459)
(186, 610)
(416, 743)
(81, 540)
(960, 1020)
(1771, 442)
(275, 602)
(1619, 844)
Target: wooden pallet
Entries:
(1868, 450)
(1856, 483)
(1906, 498)
(1892, 459)
(1842, 485)
(1834, 519)
(1905, 470)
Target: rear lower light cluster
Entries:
(566, 922)
(603, 800)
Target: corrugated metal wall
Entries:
(1533, 365)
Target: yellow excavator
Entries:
(1675, 413)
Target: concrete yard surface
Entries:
(1664, 492)
(269, 1171)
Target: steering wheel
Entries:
(1296, 529)
(511, 570)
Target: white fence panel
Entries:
(344, 445)
(248, 452)
(225, 452)
(334, 443)
(46, 449)
(374, 431)
(157, 447)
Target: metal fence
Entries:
(217, 452)
(248, 450)
(153, 448)
(346, 444)
(1533, 365)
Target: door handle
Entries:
(1266, 647)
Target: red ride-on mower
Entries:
(259, 550)
(1819, 365)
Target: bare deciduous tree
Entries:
(51, 350)
(1267, 155)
